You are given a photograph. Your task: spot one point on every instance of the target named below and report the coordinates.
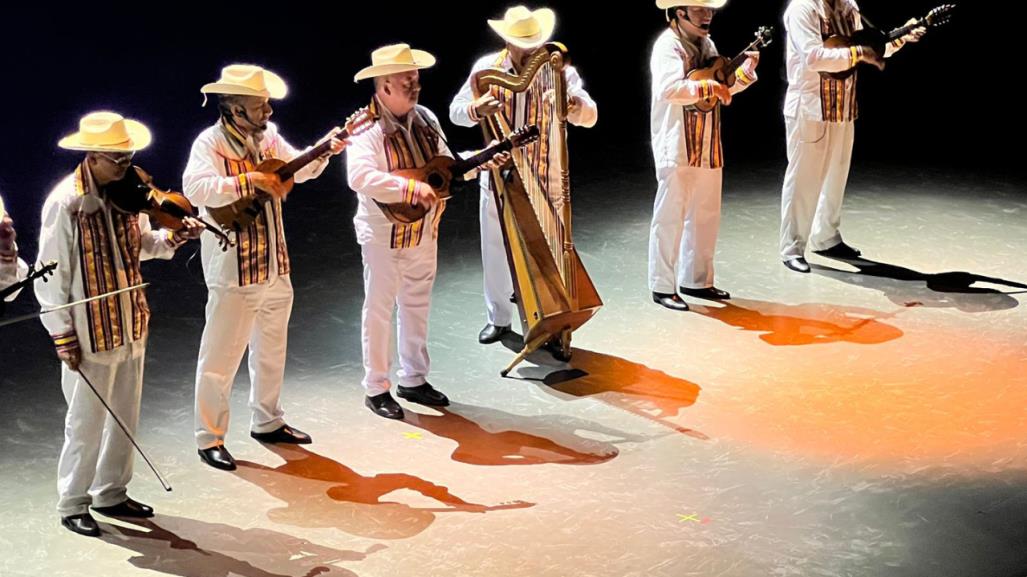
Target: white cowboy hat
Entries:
(394, 59)
(666, 4)
(107, 132)
(247, 80)
(525, 28)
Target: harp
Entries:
(554, 293)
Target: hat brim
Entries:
(276, 88)
(2, 211)
(667, 4)
(139, 137)
(546, 23)
(421, 59)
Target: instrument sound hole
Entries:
(436, 181)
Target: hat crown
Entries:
(393, 54)
(521, 22)
(102, 128)
(246, 75)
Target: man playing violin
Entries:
(12, 268)
(99, 247)
(820, 113)
(249, 291)
(688, 154)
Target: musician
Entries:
(688, 154)
(819, 124)
(524, 31)
(12, 268)
(250, 295)
(99, 247)
(399, 260)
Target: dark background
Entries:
(944, 104)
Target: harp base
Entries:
(529, 348)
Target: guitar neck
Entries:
(467, 164)
(737, 61)
(900, 32)
(290, 169)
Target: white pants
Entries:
(683, 234)
(396, 280)
(96, 460)
(819, 155)
(495, 268)
(257, 317)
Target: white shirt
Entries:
(672, 91)
(806, 57)
(61, 238)
(10, 273)
(13, 271)
(367, 173)
(460, 113)
(211, 179)
(460, 110)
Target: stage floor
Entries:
(858, 421)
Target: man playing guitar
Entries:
(820, 110)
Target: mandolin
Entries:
(722, 69)
(878, 40)
(440, 171)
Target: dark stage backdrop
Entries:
(943, 103)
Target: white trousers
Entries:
(257, 317)
(498, 284)
(683, 233)
(95, 465)
(400, 281)
(819, 156)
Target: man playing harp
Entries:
(525, 33)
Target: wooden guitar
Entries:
(241, 213)
(440, 171)
(878, 40)
(722, 69)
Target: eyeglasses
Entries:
(119, 160)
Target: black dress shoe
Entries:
(492, 334)
(127, 508)
(423, 395)
(840, 250)
(385, 406)
(798, 264)
(709, 293)
(283, 434)
(83, 524)
(218, 457)
(670, 301)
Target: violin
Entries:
(136, 193)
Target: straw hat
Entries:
(247, 80)
(107, 132)
(525, 28)
(394, 59)
(665, 4)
